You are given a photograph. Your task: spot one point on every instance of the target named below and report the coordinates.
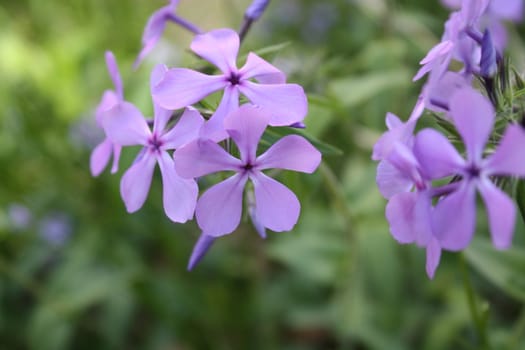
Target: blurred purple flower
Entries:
(182, 87)
(125, 125)
(55, 228)
(219, 209)
(19, 215)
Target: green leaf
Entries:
(503, 268)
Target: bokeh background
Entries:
(78, 272)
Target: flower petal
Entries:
(454, 218)
(111, 63)
(507, 9)
(125, 125)
(116, 158)
(219, 47)
(108, 100)
(286, 102)
(135, 183)
(182, 87)
(246, 126)
(219, 208)
(202, 157)
(436, 155)
(100, 157)
(292, 152)
(508, 159)
(200, 249)
(186, 130)
(262, 71)
(214, 129)
(473, 116)
(276, 207)
(501, 213)
(433, 257)
(391, 181)
(161, 115)
(179, 195)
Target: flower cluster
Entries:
(431, 181)
(188, 146)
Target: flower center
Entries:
(234, 79)
(473, 171)
(248, 166)
(155, 144)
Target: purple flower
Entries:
(219, 209)
(103, 151)
(454, 215)
(55, 228)
(125, 125)
(182, 87)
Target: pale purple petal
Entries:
(186, 130)
(125, 125)
(454, 218)
(402, 133)
(111, 63)
(108, 100)
(259, 227)
(203, 157)
(292, 152)
(261, 70)
(276, 207)
(116, 158)
(472, 10)
(100, 157)
(219, 47)
(200, 249)
(433, 257)
(179, 195)
(391, 181)
(436, 155)
(246, 126)
(135, 183)
(154, 30)
(473, 116)
(402, 157)
(400, 215)
(392, 121)
(286, 102)
(501, 213)
(507, 9)
(182, 87)
(219, 208)
(509, 158)
(437, 58)
(214, 129)
(161, 115)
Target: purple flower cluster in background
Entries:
(430, 186)
(187, 146)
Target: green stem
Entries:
(475, 314)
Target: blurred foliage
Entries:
(78, 272)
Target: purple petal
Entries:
(125, 125)
(454, 218)
(472, 10)
(402, 157)
(186, 130)
(182, 87)
(111, 63)
(246, 126)
(135, 183)
(501, 213)
(262, 71)
(392, 121)
(214, 129)
(202, 246)
(507, 9)
(473, 116)
(161, 115)
(179, 195)
(508, 158)
(438, 57)
(436, 155)
(259, 227)
(203, 157)
(154, 30)
(433, 257)
(219, 208)
(292, 152)
(109, 100)
(219, 47)
(276, 207)
(398, 132)
(100, 157)
(400, 215)
(391, 181)
(116, 158)
(286, 102)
